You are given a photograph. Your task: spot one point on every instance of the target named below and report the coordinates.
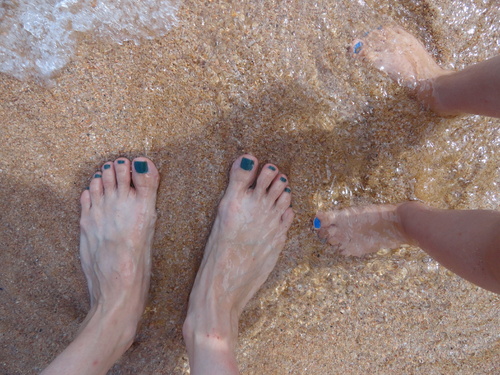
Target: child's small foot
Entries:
(399, 54)
(361, 230)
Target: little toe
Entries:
(122, 175)
(243, 173)
(265, 178)
(96, 188)
(85, 201)
(145, 177)
(108, 177)
(287, 218)
(278, 186)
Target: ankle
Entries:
(406, 215)
(117, 328)
(430, 92)
(210, 329)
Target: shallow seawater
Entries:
(38, 38)
(273, 78)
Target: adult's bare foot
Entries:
(247, 237)
(399, 54)
(117, 226)
(361, 230)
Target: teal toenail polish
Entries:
(317, 223)
(141, 166)
(121, 161)
(272, 168)
(288, 190)
(97, 175)
(87, 188)
(246, 164)
(107, 166)
(357, 47)
(282, 179)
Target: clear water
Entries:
(273, 78)
(39, 37)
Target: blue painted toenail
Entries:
(97, 175)
(141, 166)
(357, 47)
(288, 190)
(107, 166)
(317, 223)
(121, 161)
(87, 188)
(246, 164)
(282, 179)
(273, 168)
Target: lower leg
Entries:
(466, 242)
(247, 237)
(475, 89)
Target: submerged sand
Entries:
(275, 79)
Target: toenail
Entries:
(121, 161)
(357, 47)
(272, 167)
(317, 223)
(288, 190)
(97, 175)
(87, 188)
(282, 179)
(107, 166)
(246, 164)
(141, 166)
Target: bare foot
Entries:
(361, 230)
(246, 239)
(117, 226)
(399, 54)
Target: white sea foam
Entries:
(37, 37)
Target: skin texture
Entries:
(117, 227)
(465, 241)
(247, 237)
(474, 90)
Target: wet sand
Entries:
(276, 80)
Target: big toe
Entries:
(323, 219)
(145, 177)
(357, 48)
(243, 173)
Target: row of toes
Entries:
(270, 185)
(121, 177)
(140, 176)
